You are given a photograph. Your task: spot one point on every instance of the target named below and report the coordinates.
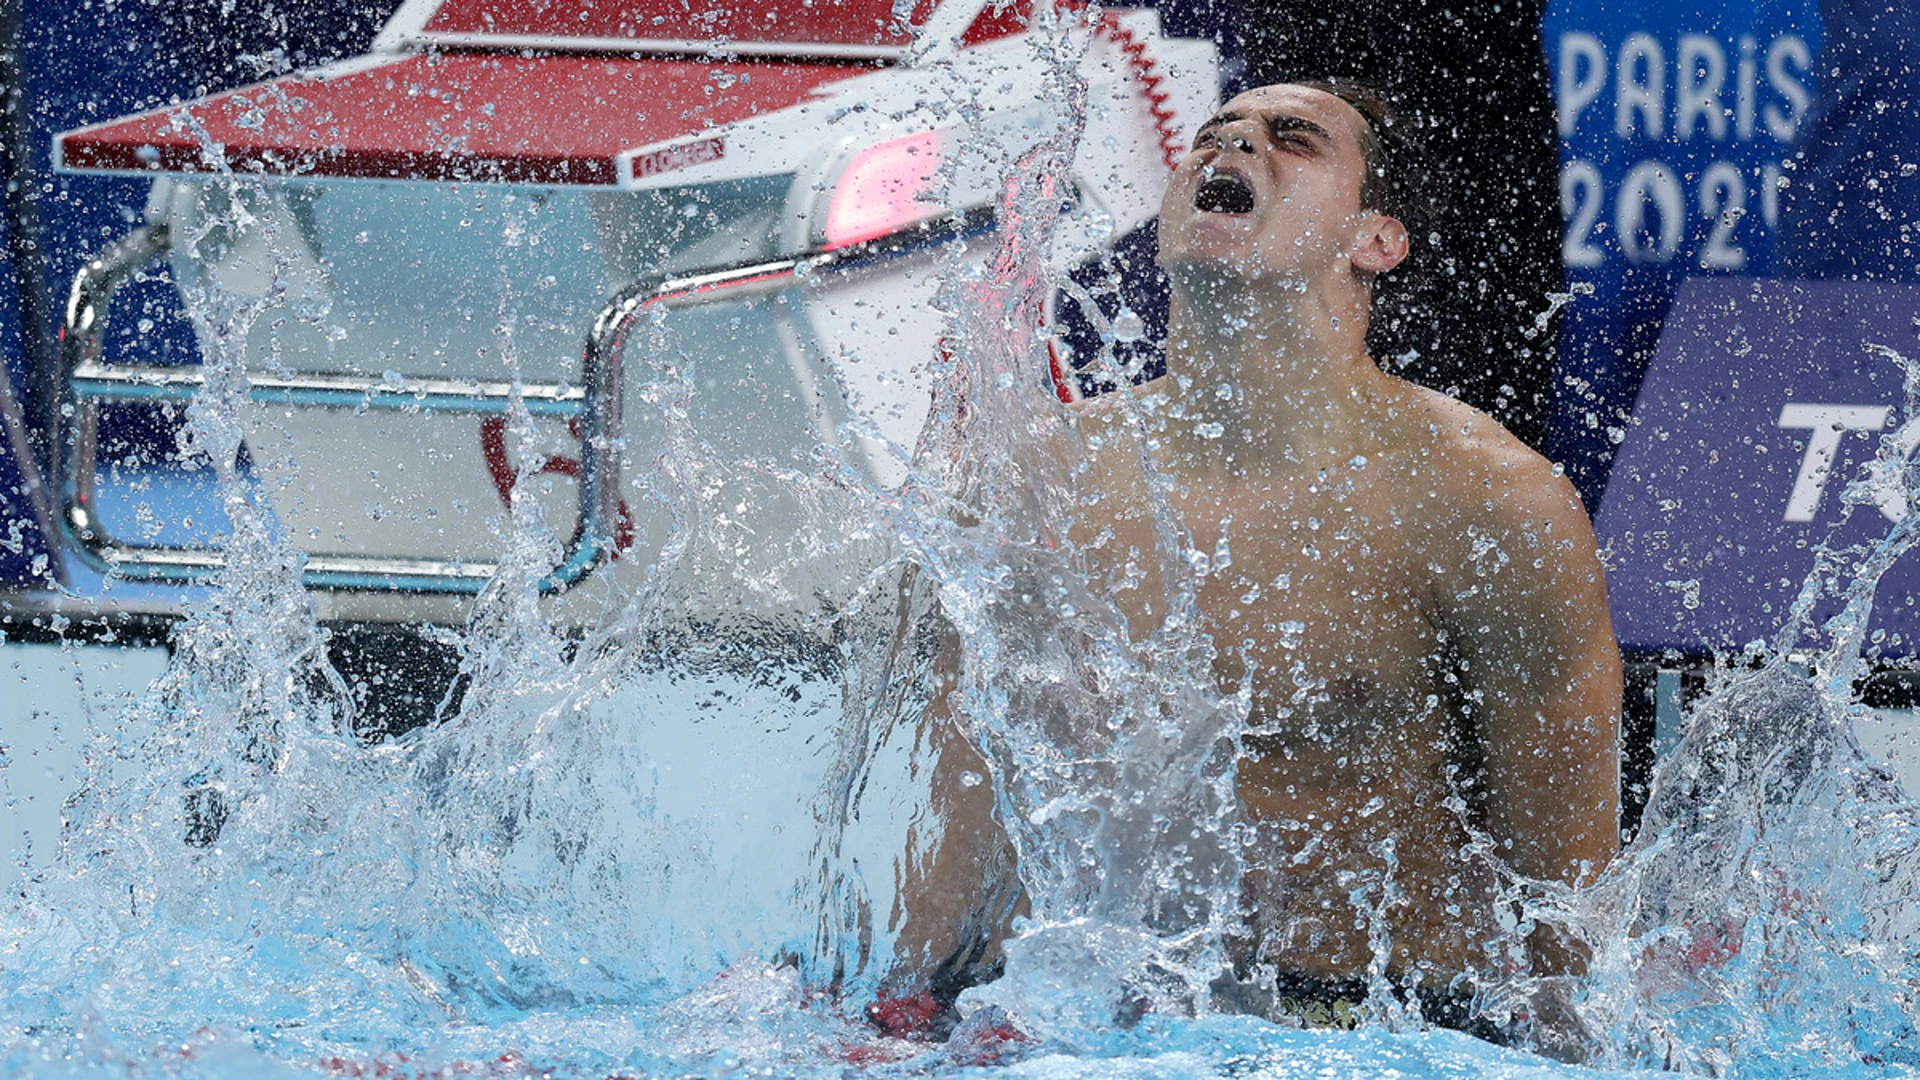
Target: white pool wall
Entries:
(53, 695)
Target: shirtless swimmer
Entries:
(1463, 671)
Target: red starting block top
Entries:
(485, 117)
(850, 29)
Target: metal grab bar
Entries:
(87, 382)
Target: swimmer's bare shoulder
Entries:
(1520, 592)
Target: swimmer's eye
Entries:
(1292, 139)
(1209, 133)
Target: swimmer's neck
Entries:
(1265, 378)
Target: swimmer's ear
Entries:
(1380, 244)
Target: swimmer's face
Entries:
(1271, 191)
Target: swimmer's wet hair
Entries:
(1395, 182)
(1399, 184)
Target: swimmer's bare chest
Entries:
(1321, 593)
(1325, 605)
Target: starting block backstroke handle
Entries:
(88, 382)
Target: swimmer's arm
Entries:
(959, 891)
(1528, 616)
(959, 885)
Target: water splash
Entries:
(1762, 921)
(1110, 754)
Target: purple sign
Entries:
(1763, 401)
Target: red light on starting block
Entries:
(882, 190)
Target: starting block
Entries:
(504, 255)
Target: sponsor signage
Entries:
(1676, 121)
(1764, 401)
(683, 156)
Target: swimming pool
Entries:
(644, 842)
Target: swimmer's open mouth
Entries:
(1224, 193)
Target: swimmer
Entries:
(1457, 673)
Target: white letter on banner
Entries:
(1650, 181)
(1581, 193)
(1577, 90)
(1641, 87)
(1823, 424)
(1787, 49)
(1723, 202)
(1749, 89)
(1698, 81)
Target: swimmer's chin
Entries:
(1224, 280)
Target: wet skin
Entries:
(1413, 594)
(1414, 603)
